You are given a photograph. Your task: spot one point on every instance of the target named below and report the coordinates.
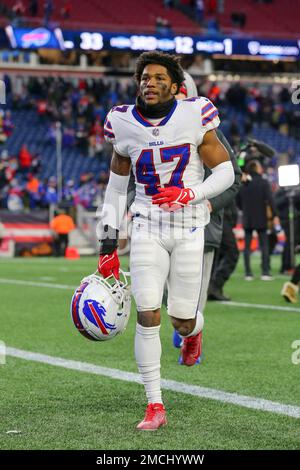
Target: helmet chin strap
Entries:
(122, 284)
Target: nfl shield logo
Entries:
(155, 132)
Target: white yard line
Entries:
(36, 284)
(194, 390)
(261, 306)
(228, 304)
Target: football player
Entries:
(166, 142)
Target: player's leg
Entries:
(149, 267)
(296, 276)
(226, 262)
(64, 244)
(265, 257)
(247, 253)
(207, 268)
(184, 286)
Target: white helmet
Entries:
(100, 308)
(190, 85)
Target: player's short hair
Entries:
(170, 62)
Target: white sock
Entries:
(147, 354)
(198, 326)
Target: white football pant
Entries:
(158, 257)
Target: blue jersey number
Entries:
(146, 173)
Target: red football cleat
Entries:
(191, 349)
(154, 418)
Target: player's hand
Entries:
(109, 264)
(173, 197)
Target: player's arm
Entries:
(212, 151)
(225, 198)
(215, 156)
(113, 210)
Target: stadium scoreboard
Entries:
(21, 38)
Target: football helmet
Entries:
(100, 308)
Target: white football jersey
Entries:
(164, 152)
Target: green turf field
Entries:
(247, 351)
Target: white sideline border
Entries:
(228, 304)
(244, 401)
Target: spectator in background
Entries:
(226, 257)
(3, 179)
(212, 26)
(61, 225)
(96, 139)
(68, 140)
(48, 10)
(11, 168)
(253, 199)
(214, 92)
(168, 4)
(199, 11)
(236, 97)
(212, 7)
(66, 9)
(33, 8)
(86, 194)
(220, 6)
(25, 159)
(50, 192)
(163, 26)
(8, 125)
(69, 192)
(3, 136)
(15, 196)
(32, 188)
(18, 8)
(238, 19)
(82, 135)
(36, 164)
(51, 134)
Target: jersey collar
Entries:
(138, 116)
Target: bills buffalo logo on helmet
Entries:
(95, 313)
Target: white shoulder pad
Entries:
(114, 128)
(204, 108)
(209, 114)
(109, 133)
